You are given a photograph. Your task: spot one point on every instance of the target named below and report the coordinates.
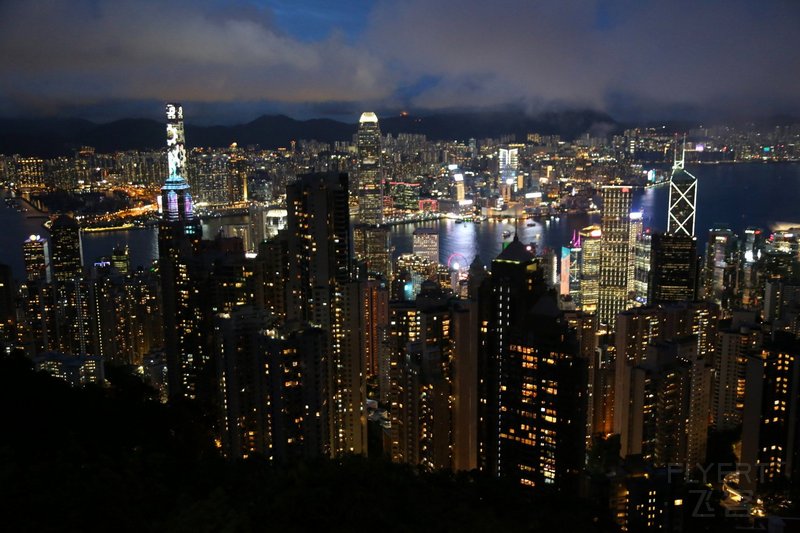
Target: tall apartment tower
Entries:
(179, 235)
(66, 256)
(72, 329)
(616, 252)
(39, 326)
(433, 394)
(771, 411)
(321, 291)
(537, 432)
(273, 396)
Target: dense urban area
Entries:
(631, 379)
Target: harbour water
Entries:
(738, 195)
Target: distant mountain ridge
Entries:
(53, 137)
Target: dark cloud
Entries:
(80, 52)
(623, 56)
(730, 55)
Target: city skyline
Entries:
(548, 280)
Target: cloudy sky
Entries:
(231, 61)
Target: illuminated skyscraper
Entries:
(65, 238)
(72, 329)
(433, 362)
(321, 291)
(508, 165)
(371, 245)
(121, 260)
(770, 417)
(673, 264)
(370, 172)
(615, 252)
(721, 267)
(179, 235)
(673, 268)
(635, 233)
(682, 198)
(736, 345)
(38, 298)
(590, 253)
(537, 432)
(426, 244)
(35, 251)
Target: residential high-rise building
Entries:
(615, 252)
(636, 329)
(663, 382)
(271, 275)
(370, 170)
(771, 417)
(65, 254)
(8, 309)
(72, 329)
(38, 333)
(318, 234)
(736, 343)
(321, 291)
(536, 432)
(433, 376)
(272, 387)
(75, 369)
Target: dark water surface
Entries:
(740, 195)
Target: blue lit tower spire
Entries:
(176, 202)
(682, 197)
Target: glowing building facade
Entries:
(370, 172)
(616, 252)
(179, 235)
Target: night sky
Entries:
(231, 61)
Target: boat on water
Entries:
(459, 220)
(531, 224)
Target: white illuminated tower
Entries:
(176, 202)
(179, 235)
(370, 174)
(682, 198)
(508, 164)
